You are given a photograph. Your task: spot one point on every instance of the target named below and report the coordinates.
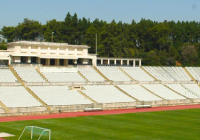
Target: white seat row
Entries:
(193, 88)
(7, 76)
(113, 73)
(139, 92)
(168, 73)
(59, 95)
(63, 77)
(91, 74)
(159, 73)
(137, 73)
(106, 94)
(163, 91)
(17, 97)
(29, 74)
(180, 89)
(195, 72)
(177, 73)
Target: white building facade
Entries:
(52, 54)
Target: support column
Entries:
(66, 52)
(75, 61)
(108, 61)
(127, 62)
(65, 62)
(29, 60)
(39, 49)
(57, 51)
(140, 63)
(38, 60)
(94, 61)
(101, 61)
(133, 63)
(48, 50)
(115, 61)
(75, 52)
(121, 62)
(29, 49)
(48, 61)
(57, 62)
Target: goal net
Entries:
(36, 132)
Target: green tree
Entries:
(3, 45)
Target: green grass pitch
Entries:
(164, 125)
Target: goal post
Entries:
(35, 130)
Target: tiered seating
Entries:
(63, 77)
(180, 89)
(193, 88)
(163, 91)
(169, 73)
(139, 93)
(177, 73)
(137, 74)
(106, 94)
(91, 74)
(17, 97)
(113, 73)
(59, 95)
(29, 74)
(195, 72)
(6, 76)
(159, 73)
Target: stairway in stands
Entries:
(27, 88)
(126, 93)
(152, 92)
(189, 74)
(38, 71)
(4, 107)
(126, 74)
(98, 71)
(148, 73)
(82, 93)
(176, 92)
(83, 76)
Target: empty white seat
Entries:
(59, 95)
(91, 74)
(195, 72)
(137, 73)
(163, 91)
(63, 76)
(180, 89)
(106, 94)
(17, 97)
(139, 92)
(6, 76)
(168, 73)
(29, 74)
(113, 73)
(159, 73)
(193, 88)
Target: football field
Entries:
(163, 125)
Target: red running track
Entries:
(105, 112)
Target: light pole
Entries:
(96, 43)
(52, 36)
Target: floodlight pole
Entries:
(52, 36)
(96, 43)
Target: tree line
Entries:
(158, 43)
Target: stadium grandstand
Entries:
(44, 77)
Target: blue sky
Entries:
(13, 12)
